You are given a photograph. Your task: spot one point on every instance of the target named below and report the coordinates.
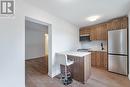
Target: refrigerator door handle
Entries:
(117, 54)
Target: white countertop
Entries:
(99, 50)
(75, 53)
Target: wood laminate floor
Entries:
(36, 76)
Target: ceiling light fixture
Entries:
(93, 18)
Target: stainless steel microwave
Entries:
(85, 37)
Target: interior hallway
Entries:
(36, 76)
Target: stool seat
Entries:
(69, 62)
(62, 59)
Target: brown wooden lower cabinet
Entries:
(99, 59)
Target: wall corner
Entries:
(50, 75)
(129, 76)
(53, 75)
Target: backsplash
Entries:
(94, 45)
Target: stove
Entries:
(83, 50)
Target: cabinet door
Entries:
(98, 32)
(81, 69)
(102, 59)
(93, 59)
(115, 24)
(105, 60)
(98, 59)
(109, 25)
(77, 69)
(84, 31)
(87, 30)
(124, 23)
(103, 31)
(93, 33)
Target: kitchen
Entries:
(107, 43)
(99, 33)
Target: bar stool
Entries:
(66, 76)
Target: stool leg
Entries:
(65, 72)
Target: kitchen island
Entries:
(81, 69)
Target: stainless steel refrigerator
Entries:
(117, 51)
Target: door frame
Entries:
(49, 38)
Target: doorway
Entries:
(36, 50)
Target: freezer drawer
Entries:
(117, 64)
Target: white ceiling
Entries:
(75, 11)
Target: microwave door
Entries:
(84, 37)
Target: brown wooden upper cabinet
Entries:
(119, 23)
(84, 31)
(99, 31)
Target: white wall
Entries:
(129, 45)
(12, 49)
(64, 35)
(34, 40)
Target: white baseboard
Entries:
(34, 58)
(50, 75)
(53, 75)
(129, 76)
